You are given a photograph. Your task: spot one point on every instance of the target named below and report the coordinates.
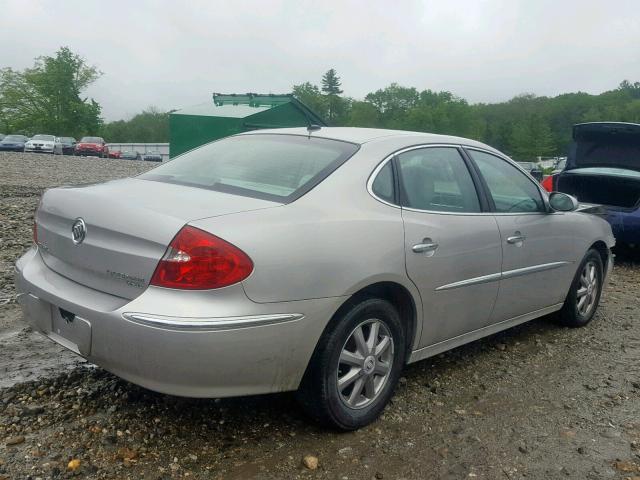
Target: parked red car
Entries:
(114, 154)
(92, 146)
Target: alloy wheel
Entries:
(365, 364)
(587, 292)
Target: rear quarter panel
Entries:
(331, 242)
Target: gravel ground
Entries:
(24, 178)
(538, 401)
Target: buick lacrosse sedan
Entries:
(319, 261)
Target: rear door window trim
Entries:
(480, 191)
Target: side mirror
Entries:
(561, 202)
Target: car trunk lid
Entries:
(605, 144)
(129, 224)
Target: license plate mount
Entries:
(71, 331)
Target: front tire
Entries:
(356, 366)
(584, 295)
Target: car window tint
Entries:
(382, 186)
(512, 191)
(437, 179)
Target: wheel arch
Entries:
(601, 247)
(399, 296)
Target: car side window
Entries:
(512, 191)
(382, 186)
(437, 179)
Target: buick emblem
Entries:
(78, 231)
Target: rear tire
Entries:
(584, 295)
(356, 365)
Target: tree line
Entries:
(48, 98)
(525, 127)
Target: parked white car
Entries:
(44, 143)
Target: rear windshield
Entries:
(91, 140)
(268, 166)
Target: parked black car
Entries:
(13, 143)
(152, 157)
(603, 168)
(68, 145)
(533, 168)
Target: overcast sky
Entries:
(173, 54)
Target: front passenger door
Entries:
(537, 246)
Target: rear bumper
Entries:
(625, 225)
(204, 344)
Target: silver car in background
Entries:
(318, 261)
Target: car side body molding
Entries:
(504, 275)
(209, 324)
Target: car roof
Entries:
(364, 135)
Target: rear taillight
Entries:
(197, 260)
(547, 183)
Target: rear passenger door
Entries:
(537, 245)
(452, 247)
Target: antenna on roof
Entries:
(312, 128)
(308, 116)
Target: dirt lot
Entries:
(538, 401)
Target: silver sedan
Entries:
(320, 261)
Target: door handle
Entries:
(427, 246)
(516, 238)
